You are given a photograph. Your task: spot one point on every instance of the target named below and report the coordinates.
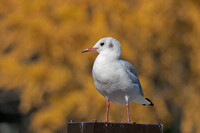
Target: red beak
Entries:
(89, 49)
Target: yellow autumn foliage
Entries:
(40, 56)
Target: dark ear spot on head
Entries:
(110, 45)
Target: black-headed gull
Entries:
(116, 79)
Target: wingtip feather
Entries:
(151, 104)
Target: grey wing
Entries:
(132, 74)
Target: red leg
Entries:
(127, 106)
(108, 106)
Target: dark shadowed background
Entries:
(45, 81)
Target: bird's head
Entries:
(107, 46)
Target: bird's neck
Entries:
(110, 55)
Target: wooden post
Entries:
(101, 127)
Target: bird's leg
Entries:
(107, 112)
(127, 107)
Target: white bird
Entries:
(116, 79)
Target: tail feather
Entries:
(151, 104)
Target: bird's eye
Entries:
(102, 44)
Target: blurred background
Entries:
(45, 81)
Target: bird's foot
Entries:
(106, 123)
(128, 122)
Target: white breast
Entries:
(111, 80)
